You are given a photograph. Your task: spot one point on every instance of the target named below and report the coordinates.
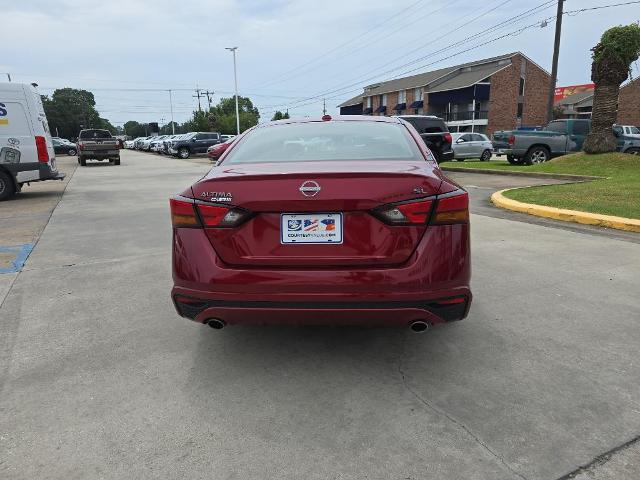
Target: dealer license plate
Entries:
(311, 228)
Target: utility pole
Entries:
(209, 95)
(198, 95)
(235, 79)
(554, 65)
(324, 106)
(173, 125)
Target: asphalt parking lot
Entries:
(99, 377)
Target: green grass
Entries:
(618, 194)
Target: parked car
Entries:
(137, 143)
(97, 144)
(434, 133)
(224, 138)
(146, 143)
(471, 145)
(60, 146)
(559, 137)
(627, 130)
(26, 149)
(129, 144)
(379, 239)
(157, 143)
(214, 151)
(195, 142)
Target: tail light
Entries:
(512, 140)
(187, 213)
(81, 146)
(448, 138)
(450, 208)
(41, 148)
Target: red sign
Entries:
(563, 92)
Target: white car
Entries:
(129, 144)
(627, 130)
(471, 145)
(26, 147)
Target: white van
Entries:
(26, 148)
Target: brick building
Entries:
(482, 96)
(580, 105)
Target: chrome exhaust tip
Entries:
(419, 326)
(216, 323)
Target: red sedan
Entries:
(215, 151)
(343, 221)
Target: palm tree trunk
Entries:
(605, 111)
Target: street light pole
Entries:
(235, 79)
(554, 65)
(173, 125)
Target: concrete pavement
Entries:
(101, 379)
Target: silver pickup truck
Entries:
(97, 145)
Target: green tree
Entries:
(223, 115)
(612, 57)
(135, 129)
(69, 110)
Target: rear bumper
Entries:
(98, 155)
(430, 287)
(445, 156)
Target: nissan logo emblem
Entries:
(310, 188)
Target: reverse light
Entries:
(41, 148)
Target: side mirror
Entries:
(460, 140)
(194, 139)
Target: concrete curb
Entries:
(557, 176)
(619, 223)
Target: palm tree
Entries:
(619, 47)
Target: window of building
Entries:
(521, 90)
(417, 94)
(383, 99)
(402, 96)
(369, 102)
(520, 109)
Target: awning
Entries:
(400, 106)
(381, 109)
(416, 104)
(367, 111)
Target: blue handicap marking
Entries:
(21, 253)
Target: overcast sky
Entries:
(129, 52)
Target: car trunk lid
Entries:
(347, 192)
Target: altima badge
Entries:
(218, 196)
(310, 188)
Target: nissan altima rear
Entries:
(343, 221)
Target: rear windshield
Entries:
(91, 134)
(325, 141)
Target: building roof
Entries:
(448, 78)
(580, 97)
(352, 101)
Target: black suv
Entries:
(194, 142)
(435, 134)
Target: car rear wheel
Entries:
(633, 151)
(184, 153)
(536, 155)
(486, 156)
(513, 160)
(83, 161)
(116, 161)
(459, 159)
(72, 152)
(7, 188)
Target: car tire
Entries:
(83, 161)
(459, 159)
(632, 151)
(7, 187)
(116, 161)
(486, 156)
(72, 152)
(513, 160)
(537, 155)
(184, 153)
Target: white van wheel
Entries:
(7, 189)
